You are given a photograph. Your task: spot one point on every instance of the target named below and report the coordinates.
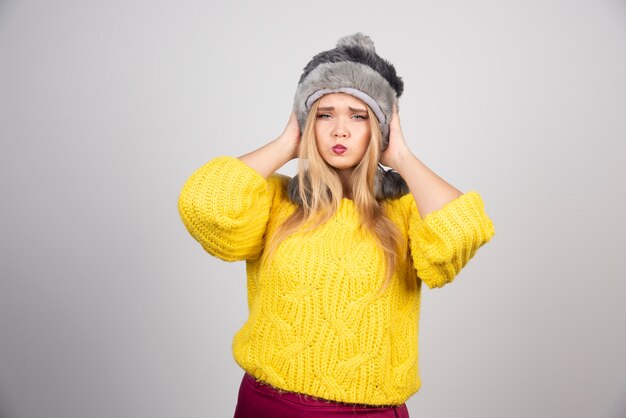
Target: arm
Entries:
(444, 241)
(273, 155)
(446, 226)
(225, 204)
(430, 191)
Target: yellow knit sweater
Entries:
(317, 324)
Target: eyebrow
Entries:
(326, 109)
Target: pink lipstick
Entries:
(339, 149)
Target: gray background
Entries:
(108, 308)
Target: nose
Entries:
(340, 130)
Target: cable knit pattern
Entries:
(317, 323)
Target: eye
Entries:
(323, 116)
(362, 117)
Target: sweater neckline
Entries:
(346, 209)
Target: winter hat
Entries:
(352, 67)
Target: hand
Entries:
(290, 138)
(273, 155)
(397, 151)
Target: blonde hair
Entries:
(321, 191)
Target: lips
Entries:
(339, 149)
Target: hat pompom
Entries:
(357, 39)
(353, 67)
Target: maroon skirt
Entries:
(259, 400)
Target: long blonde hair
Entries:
(320, 193)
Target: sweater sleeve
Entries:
(225, 206)
(445, 240)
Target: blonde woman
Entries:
(336, 256)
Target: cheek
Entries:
(365, 130)
(365, 137)
(319, 145)
(319, 133)
(364, 147)
(316, 131)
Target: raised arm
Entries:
(226, 203)
(447, 226)
(430, 191)
(273, 155)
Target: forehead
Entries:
(340, 100)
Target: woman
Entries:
(336, 255)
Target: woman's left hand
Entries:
(397, 151)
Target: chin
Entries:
(340, 163)
(342, 167)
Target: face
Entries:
(342, 131)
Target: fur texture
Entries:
(354, 64)
(355, 48)
(389, 185)
(358, 39)
(333, 76)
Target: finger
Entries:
(293, 120)
(395, 117)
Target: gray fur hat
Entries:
(353, 67)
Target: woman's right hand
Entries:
(290, 138)
(273, 155)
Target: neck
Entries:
(344, 176)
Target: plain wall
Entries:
(109, 308)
